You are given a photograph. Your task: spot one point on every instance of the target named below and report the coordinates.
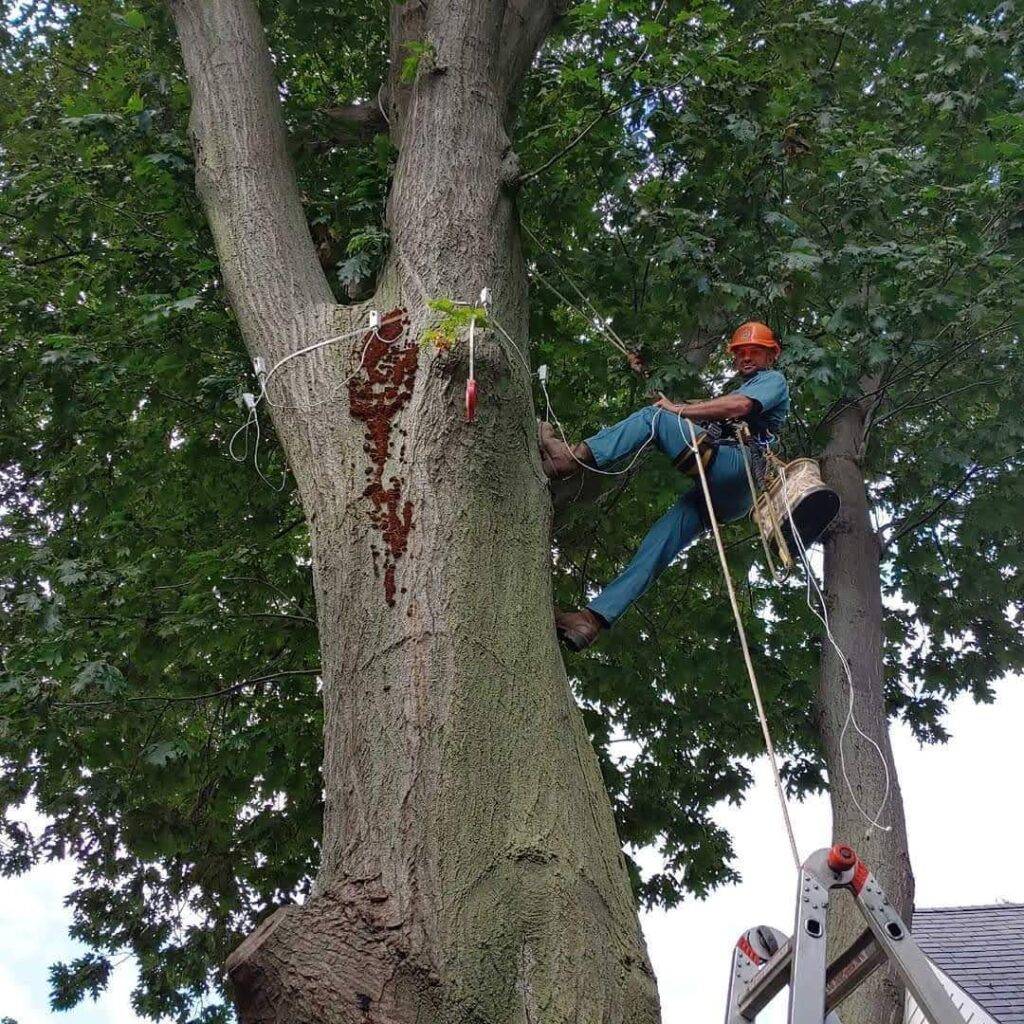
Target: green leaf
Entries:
(131, 19)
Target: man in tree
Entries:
(761, 401)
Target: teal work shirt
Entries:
(770, 394)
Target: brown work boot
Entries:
(557, 458)
(578, 630)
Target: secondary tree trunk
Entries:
(470, 865)
(853, 593)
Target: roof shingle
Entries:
(981, 949)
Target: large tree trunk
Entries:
(853, 593)
(470, 865)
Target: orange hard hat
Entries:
(754, 333)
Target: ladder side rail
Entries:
(902, 950)
(760, 958)
(769, 982)
(807, 980)
(740, 971)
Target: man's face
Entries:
(748, 359)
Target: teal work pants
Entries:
(686, 520)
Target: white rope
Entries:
(550, 414)
(253, 401)
(308, 349)
(253, 420)
(776, 578)
(491, 319)
(752, 675)
(335, 395)
(374, 333)
(873, 822)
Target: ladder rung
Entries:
(768, 983)
(850, 969)
(845, 974)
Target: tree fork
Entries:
(470, 867)
(853, 592)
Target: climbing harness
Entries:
(708, 442)
(762, 533)
(766, 960)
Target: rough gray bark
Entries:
(470, 866)
(853, 592)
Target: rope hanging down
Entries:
(751, 674)
(872, 821)
(851, 717)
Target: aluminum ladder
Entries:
(765, 960)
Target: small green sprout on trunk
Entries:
(455, 320)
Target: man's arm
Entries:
(728, 407)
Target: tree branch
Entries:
(918, 403)
(908, 525)
(583, 133)
(244, 174)
(580, 136)
(356, 123)
(176, 699)
(525, 27)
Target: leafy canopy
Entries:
(851, 173)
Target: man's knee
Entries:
(646, 414)
(672, 438)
